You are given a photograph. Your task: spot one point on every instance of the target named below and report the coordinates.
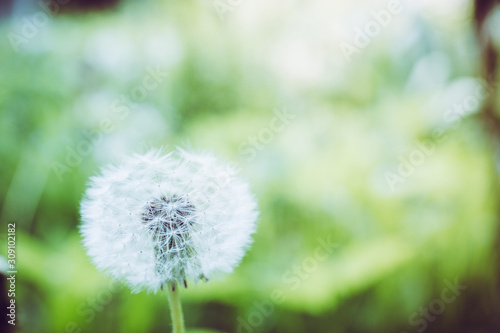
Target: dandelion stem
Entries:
(175, 308)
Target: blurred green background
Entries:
(388, 153)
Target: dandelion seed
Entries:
(169, 228)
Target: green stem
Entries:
(175, 308)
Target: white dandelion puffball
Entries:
(163, 217)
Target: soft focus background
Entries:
(369, 125)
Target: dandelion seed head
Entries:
(164, 218)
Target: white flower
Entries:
(162, 218)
